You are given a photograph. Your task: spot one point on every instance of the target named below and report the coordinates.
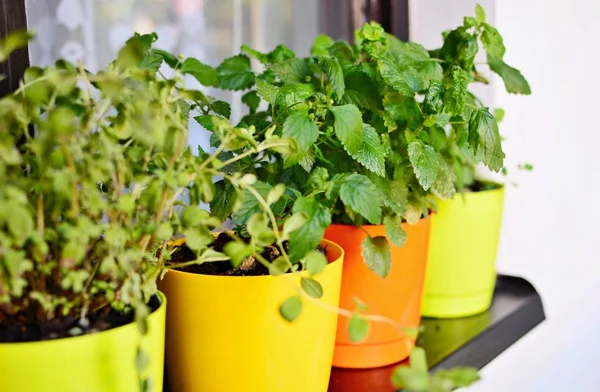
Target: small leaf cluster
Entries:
(96, 179)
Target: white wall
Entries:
(551, 233)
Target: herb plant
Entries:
(97, 177)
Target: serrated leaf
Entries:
(405, 110)
(151, 61)
(405, 80)
(315, 262)
(431, 71)
(359, 194)
(348, 127)
(444, 187)
(394, 230)
(358, 328)
(291, 71)
(308, 160)
(406, 53)
(455, 95)
(361, 89)
(300, 127)
(480, 13)
(221, 108)
(310, 234)
(290, 95)
(392, 193)
(492, 42)
(291, 308)
(371, 154)
(321, 45)
(249, 205)
(311, 287)
(341, 50)
(425, 162)
(267, 91)
(434, 98)
(235, 73)
(388, 120)
(377, 255)
(252, 100)
(205, 74)
(334, 73)
(484, 138)
(514, 81)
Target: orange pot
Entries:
(397, 297)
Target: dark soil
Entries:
(249, 267)
(101, 321)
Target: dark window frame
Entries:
(13, 17)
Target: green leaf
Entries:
(13, 41)
(301, 128)
(197, 238)
(238, 252)
(310, 234)
(425, 162)
(492, 42)
(266, 91)
(348, 127)
(460, 377)
(290, 95)
(454, 97)
(392, 193)
(405, 80)
(291, 71)
(293, 222)
(259, 229)
(335, 76)
(411, 379)
(388, 120)
(251, 99)
(499, 115)
(279, 266)
(434, 98)
(444, 187)
(407, 53)
(460, 48)
(171, 60)
(418, 359)
(221, 108)
(19, 221)
(262, 57)
(315, 262)
(291, 308)
(405, 110)
(377, 255)
(360, 305)
(203, 73)
(249, 205)
(431, 71)
(514, 81)
(484, 138)
(311, 287)
(394, 230)
(371, 154)
(235, 73)
(321, 45)
(151, 61)
(359, 194)
(358, 328)
(480, 13)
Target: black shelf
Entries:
(470, 341)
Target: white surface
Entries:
(550, 230)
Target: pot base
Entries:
(356, 356)
(454, 306)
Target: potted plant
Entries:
(90, 169)
(238, 302)
(465, 231)
(367, 169)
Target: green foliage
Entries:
(358, 328)
(416, 377)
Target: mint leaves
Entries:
(376, 253)
(235, 73)
(484, 138)
(348, 127)
(300, 127)
(360, 195)
(425, 162)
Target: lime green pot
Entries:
(461, 267)
(99, 362)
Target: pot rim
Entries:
(163, 302)
(327, 242)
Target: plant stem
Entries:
(75, 188)
(40, 215)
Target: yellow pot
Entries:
(461, 267)
(99, 362)
(225, 333)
